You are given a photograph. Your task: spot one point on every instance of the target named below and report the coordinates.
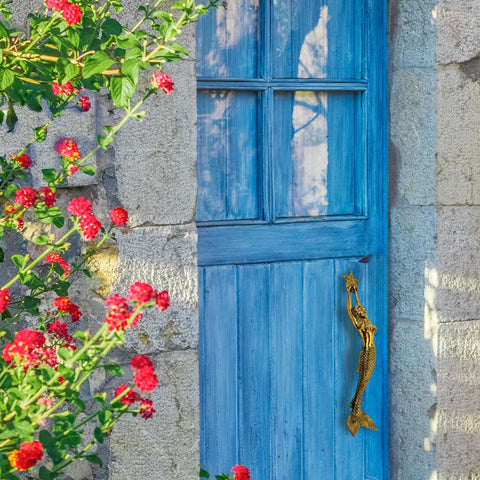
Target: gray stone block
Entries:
(458, 263)
(165, 257)
(412, 257)
(413, 133)
(165, 446)
(412, 401)
(458, 30)
(458, 436)
(412, 33)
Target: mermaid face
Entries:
(359, 311)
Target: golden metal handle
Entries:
(366, 361)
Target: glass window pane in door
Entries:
(315, 152)
(316, 39)
(227, 169)
(228, 46)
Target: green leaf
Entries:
(128, 40)
(121, 90)
(70, 72)
(45, 474)
(104, 141)
(94, 459)
(178, 6)
(2, 255)
(32, 282)
(61, 288)
(46, 438)
(100, 397)
(72, 439)
(203, 474)
(112, 27)
(65, 353)
(88, 170)
(7, 77)
(98, 435)
(11, 117)
(23, 428)
(11, 189)
(49, 174)
(82, 336)
(41, 240)
(19, 260)
(50, 215)
(96, 63)
(131, 68)
(113, 368)
(31, 304)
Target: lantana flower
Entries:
(28, 455)
(162, 81)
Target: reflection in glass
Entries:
(228, 45)
(314, 158)
(227, 155)
(328, 29)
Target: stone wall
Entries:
(150, 171)
(434, 262)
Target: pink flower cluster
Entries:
(145, 380)
(68, 148)
(28, 197)
(24, 160)
(162, 81)
(29, 349)
(4, 299)
(241, 472)
(66, 89)
(55, 258)
(89, 223)
(64, 304)
(119, 315)
(119, 216)
(60, 331)
(71, 12)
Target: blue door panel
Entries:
(291, 196)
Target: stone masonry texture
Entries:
(434, 231)
(150, 171)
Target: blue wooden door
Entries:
(291, 196)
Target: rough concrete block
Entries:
(458, 137)
(458, 30)
(165, 446)
(412, 402)
(165, 257)
(412, 250)
(458, 366)
(412, 33)
(412, 131)
(155, 159)
(458, 263)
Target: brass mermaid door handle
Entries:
(366, 361)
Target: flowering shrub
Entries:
(72, 47)
(240, 473)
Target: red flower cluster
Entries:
(19, 223)
(55, 258)
(119, 216)
(119, 313)
(47, 195)
(24, 160)
(140, 293)
(162, 81)
(80, 207)
(28, 455)
(60, 330)
(66, 89)
(72, 169)
(72, 13)
(67, 148)
(162, 300)
(129, 398)
(84, 104)
(4, 299)
(26, 196)
(241, 472)
(146, 405)
(29, 349)
(64, 304)
(146, 408)
(90, 226)
(144, 376)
